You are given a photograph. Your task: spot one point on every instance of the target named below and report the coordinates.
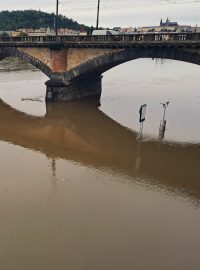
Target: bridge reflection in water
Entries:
(80, 132)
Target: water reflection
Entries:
(87, 194)
(80, 132)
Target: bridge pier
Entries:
(57, 91)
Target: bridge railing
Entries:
(133, 38)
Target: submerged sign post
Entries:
(142, 113)
(142, 118)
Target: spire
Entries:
(161, 22)
(167, 21)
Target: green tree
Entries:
(4, 34)
(12, 20)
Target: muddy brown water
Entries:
(79, 188)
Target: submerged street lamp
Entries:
(98, 7)
(56, 19)
(163, 122)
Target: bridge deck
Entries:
(187, 40)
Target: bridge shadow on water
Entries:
(80, 132)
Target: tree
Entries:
(13, 20)
(5, 34)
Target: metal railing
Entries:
(132, 38)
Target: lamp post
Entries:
(56, 19)
(163, 122)
(97, 25)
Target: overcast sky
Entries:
(117, 12)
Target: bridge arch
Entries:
(99, 65)
(12, 51)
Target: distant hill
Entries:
(12, 20)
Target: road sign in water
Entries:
(142, 112)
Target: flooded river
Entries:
(82, 189)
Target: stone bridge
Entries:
(75, 64)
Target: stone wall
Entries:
(58, 92)
(76, 57)
(67, 64)
(42, 54)
(63, 60)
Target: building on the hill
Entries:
(168, 23)
(43, 32)
(167, 26)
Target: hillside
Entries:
(12, 20)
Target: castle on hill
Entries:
(168, 23)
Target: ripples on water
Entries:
(78, 190)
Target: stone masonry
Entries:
(75, 72)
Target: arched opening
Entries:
(143, 81)
(14, 52)
(20, 80)
(104, 63)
